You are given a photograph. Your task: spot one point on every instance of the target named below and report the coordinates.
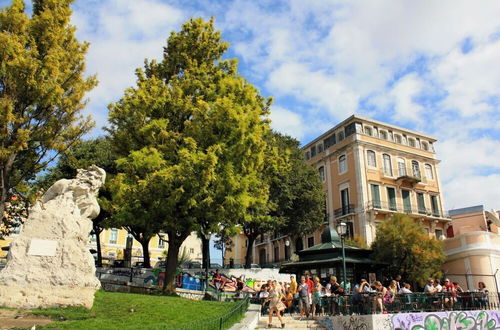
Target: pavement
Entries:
(291, 322)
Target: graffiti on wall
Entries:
(466, 320)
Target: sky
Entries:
(430, 66)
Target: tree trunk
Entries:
(145, 252)
(174, 245)
(205, 244)
(97, 232)
(249, 254)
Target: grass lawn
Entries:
(113, 310)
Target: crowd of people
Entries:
(309, 297)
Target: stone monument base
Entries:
(34, 296)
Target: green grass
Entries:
(111, 310)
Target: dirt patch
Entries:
(11, 318)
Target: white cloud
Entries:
(287, 122)
(402, 95)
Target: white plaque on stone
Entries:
(42, 247)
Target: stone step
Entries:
(291, 323)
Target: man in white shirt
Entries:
(438, 286)
(429, 287)
(405, 289)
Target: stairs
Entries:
(291, 322)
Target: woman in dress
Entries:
(381, 291)
(275, 304)
(316, 297)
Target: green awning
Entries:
(352, 260)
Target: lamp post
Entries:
(287, 250)
(342, 231)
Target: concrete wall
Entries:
(416, 321)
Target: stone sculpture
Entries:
(49, 263)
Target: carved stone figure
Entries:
(49, 263)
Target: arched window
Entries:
(411, 142)
(428, 172)
(368, 130)
(397, 138)
(387, 165)
(401, 167)
(425, 145)
(383, 135)
(371, 159)
(415, 168)
(342, 164)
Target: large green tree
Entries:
(296, 200)
(408, 249)
(82, 155)
(42, 89)
(192, 138)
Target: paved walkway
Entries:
(291, 322)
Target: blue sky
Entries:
(431, 66)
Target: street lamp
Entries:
(287, 250)
(342, 231)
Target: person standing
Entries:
(310, 285)
(303, 290)
(316, 297)
(293, 291)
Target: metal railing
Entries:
(344, 210)
(224, 321)
(409, 209)
(366, 303)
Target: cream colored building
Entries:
(370, 170)
(473, 248)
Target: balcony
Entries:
(344, 210)
(384, 206)
(411, 179)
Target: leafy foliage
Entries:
(190, 135)
(410, 251)
(357, 241)
(42, 89)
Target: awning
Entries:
(351, 260)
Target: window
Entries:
(368, 130)
(391, 197)
(434, 205)
(344, 199)
(191, 250)
(340, 136)
(321, 171)
(313, 151)
(383, 135)
(276, 253)
(350, 229)
(161, 243)
(387, 165)
(350, 129)
(113, 236)
(405, 194)
(401, 167)
(376, 196)
(320, 148)
(370, 156)
(425, 146)
(411, 142)
(342, 164)
(307, 155)
(439, 233)
(415, 168)
(329, 141)
(428, 172)
(421, 203)
(310, 241)
(397, 138)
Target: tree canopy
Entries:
(408, 249)
(42, 90)
(191, 136)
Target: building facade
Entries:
(114, 240)
(370, 170)
(473, 248)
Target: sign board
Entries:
(42, 247)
